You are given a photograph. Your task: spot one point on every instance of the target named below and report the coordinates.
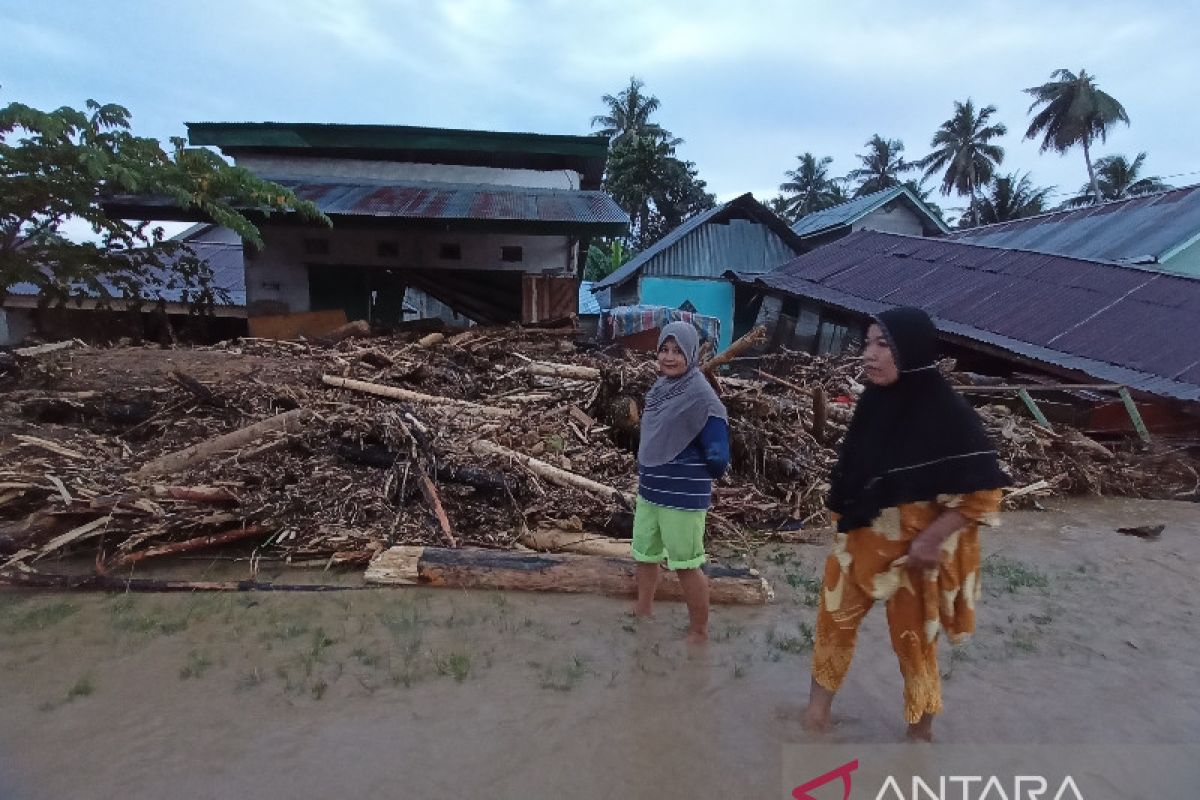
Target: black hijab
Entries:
(912, 440)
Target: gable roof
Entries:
(1118, 323)
(1149, 228)
(744, 204)
(583, 154)
(852, 211)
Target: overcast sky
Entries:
(747, 85)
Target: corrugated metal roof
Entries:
(588, 304)
(757, 244)
(853, 210)
(455, 201)
(1141, 229)
(1114, 322)
(223, 257)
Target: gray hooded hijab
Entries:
(677, 409)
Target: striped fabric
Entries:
(683, 483)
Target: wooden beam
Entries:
(550, 572)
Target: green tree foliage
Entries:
(1118, 178)
(1010, 197)
(963, 151)
(656, 189)
(809, 188)
(605, 258)
(1073, 112)
(882, 166)
(59, 165)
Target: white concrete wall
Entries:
(900, 219)
(349, 168)
(279, 273)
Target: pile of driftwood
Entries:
(506, 439)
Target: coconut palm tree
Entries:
(1118, 178)
(1010, 197)
(963, 149)
(808, 187)
(1073, 112)
(629, 116)
(882, 166)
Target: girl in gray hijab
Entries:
(684, 447)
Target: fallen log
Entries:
(42, 349)
(197, 494)
(189, 545)
(561, 572)
(431, 340)
(289, 421)
(754, 337)
(552, 540)
(395, 393)
(550, 370)
(357, 329)
(107, 583)
(556, 475)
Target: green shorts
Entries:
(671, 533)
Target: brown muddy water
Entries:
(1085, 636)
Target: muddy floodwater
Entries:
(1084, 636)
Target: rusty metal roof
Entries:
(1118, 323)
(1148, 228)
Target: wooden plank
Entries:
(469, 568)
(309, 324)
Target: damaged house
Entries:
(493, 225)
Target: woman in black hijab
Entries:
(915, 477)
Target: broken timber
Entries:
(556, 475)
(395, 393)
(289, 422)
(550, 572)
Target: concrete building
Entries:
(493, 225)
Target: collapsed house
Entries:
(1001, 311)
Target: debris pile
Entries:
(325, 454)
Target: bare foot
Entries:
(921, 731)
(816, 719)
(697, 637)
(641, 613)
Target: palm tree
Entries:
(962, 147)
(1118, 178)
(629, 116)
(1010, 197)
(1074, 112)
(882, 166)
(809, 187)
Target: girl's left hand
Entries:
(925, 551)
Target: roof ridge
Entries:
(1058, 211)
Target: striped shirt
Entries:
(686, 482)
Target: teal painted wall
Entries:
(713, 298)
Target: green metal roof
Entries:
(583, 154)
(820, 222)
(273, 135)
